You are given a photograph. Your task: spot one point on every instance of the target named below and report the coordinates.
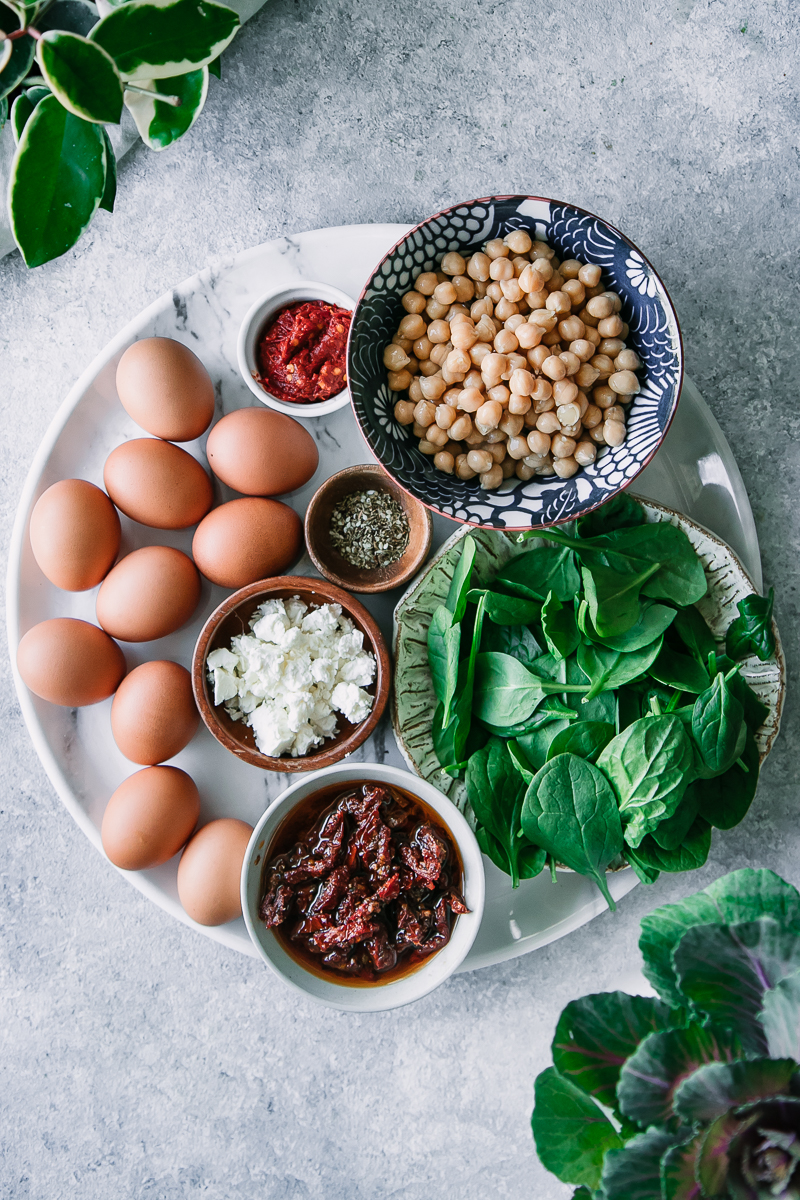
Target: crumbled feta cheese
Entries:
(292, 673)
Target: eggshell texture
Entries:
(154, 714)
(157, 484)
(261, 452)
(166, 389)
(70, 662)
(210, 871)
(74, 532)
(246, 540)
(149, 817)
(149, 594)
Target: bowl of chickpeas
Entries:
(514, 362)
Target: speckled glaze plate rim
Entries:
(768, 679)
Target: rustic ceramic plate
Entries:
(415, 701)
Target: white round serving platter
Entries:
(694, 472)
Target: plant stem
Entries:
(175, 101)
(20, 33)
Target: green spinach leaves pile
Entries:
(587, 704)
(694, 1093)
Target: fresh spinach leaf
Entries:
(609, 669)
(456, 600)
(450, 739)
(506, 610)
(718, 726)
(690, 855)
(620, 512)
(571, 811)
(755, 712)
(536, 744)
(629, 707)
(551, 709)
(654, 620)
(536, 572)
(530, 859)
(584, 738)
(679, 671)
(444, 641)
(650, 765)
(725, 799)
(602, 707)
(516, 640)
(613, 597)
(559, 627)
(506, 693)
(496, 790)
(751, 632)
(672, 831)
(694, 633)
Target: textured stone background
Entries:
(138, 1059)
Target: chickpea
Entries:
(553, 367)
(433, 387)
(589, 321)
(470, 399)
(451, 397)
(543, 268)
(544, 319)
(505, 309)
(518, 241)
(558, 302)
(497, 249)
(485, 330)
(422, 348)
(511, 290)
(415, 391)
(399, 381)
(438, 436)
(515, 322)
(564, 391)
(428, 448)
(571, 329)
(492, 478)
(517, 448)
(589, 275)
(572, 431)
(461, 428)
(591, 335)
(425, 283)
(627, 360)
(536, 357)
(418, 431)
(530, 280)
(463, 336)
(424, 413)
(480, 460)
(480, 289)
(478, 267)
(488, 416)
(562, 447)
(586, 375)
(445, 416)
(435, 310)
(508, 467)
(543, 250)
(501, 269)
(600, 307)
(530, 418)
(537, 299)
(603, 365)
(624, 383)
(582, 349)
(593, 416)
(465, 288)
(479, 352)
(473, 378)
(492, 368)
(494, 292)
(505, 342)
(395, 358)
(568, 414)
(463, 469)
(575, 291)
(438, 332)
(519, 405)
(610, 327)
(521, 382)
(495, 443)
(539, 443)
(457, 362)
(481, 308)
(412, 327)
(511, 424)
(585, 453)
(451, 377)
(413, 365)
(444, 461)
(445, 293)
(597, 435)
(572, 364)
(553, 340)
(614, 433)
(566, 467)
(615, 300)
(556, 281)
(404, 412)
(542, 390)
(611, 347)
(604, 397)
(413, 302)
(453, 263)
(500, 393)
(529, 336)
(516, 362)
(458, 312)
(548, 422)
(403, 342)
(625, 330)
(428, 366)
(440, 352)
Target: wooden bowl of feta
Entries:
(291, 674)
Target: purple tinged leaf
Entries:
(726, 970)
(717, 1087)
(634, 1172)
(780, 1018)
(678, 1171)
(651, 1076)
(714, 1160)
(597, 1033)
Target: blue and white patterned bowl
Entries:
(573, 233)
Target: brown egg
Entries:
(261, 452)
(210, 871)
(246, 540)
(149, 817)
(166, 389)
(74, 534)
(70, 662)
(154, 714)
(150, 593)
(157, 484)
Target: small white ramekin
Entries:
(378, 996)
(252, 327)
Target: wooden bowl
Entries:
(330, 563)
(231, 619)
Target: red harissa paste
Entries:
(302, 354)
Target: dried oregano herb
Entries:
(369, 529)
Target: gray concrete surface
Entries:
(138, 1059)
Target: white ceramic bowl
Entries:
(378, 996)
(251, 329)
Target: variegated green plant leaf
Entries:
(5, 54)
(16, 57)
(21, 110)
(57, 181)
(110, 188)
(82, 75)
(160, 123)
(159, 39)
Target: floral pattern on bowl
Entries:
(654, 335)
